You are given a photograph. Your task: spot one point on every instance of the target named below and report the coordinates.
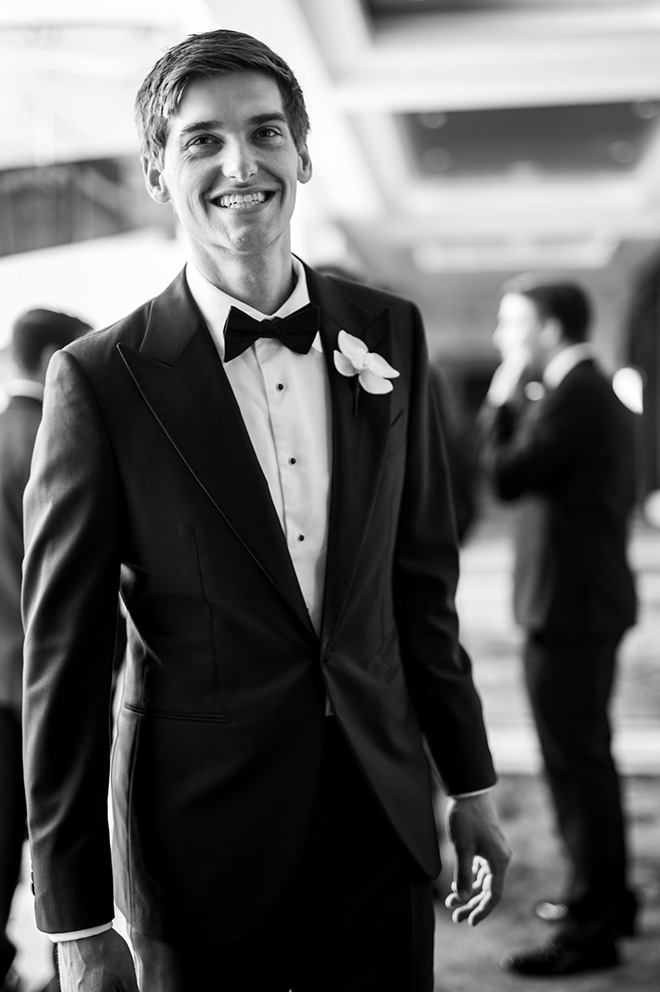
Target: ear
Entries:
(155, 181)
(304, 164)
(551, 334)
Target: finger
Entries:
(497, 876)
(463, 875)
(481, 871)
(453, 900)
(483, 911)
(466, 911)
(485, 905)
(477, 908)
(463, 908)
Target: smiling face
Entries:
(230, 168)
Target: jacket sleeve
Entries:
(426, 567)
(533, 447)
(70, 595)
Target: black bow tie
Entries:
(297, 331)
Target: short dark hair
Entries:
(212, 53)
(562, 300)
(36, 330)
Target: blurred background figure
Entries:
(558, 441)
(36, 335)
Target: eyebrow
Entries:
(255, 120)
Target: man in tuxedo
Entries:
(36, 334)
(557, 440)
(251, 457)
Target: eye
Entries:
(200, 140)
(268, 132)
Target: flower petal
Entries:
(352, 347)
(344, 364)
(372, 383)
(378, 365)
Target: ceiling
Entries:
(454, 141)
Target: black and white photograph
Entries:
(329, 495)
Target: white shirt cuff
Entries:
(76, 934)
(468, 795)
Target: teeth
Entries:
(241, 199)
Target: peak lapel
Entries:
(359, 440)
(181, 378)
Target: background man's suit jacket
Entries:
(143, 469)
(19, 423)
(569, 457)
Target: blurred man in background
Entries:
(557, 440)
(36, 335)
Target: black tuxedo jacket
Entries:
(568, 458)
(144, 477)
(18, 428)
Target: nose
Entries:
(238, 161)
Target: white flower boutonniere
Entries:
(372, 371)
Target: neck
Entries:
(557, 350)
(262, 283)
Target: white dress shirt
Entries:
(284, 399)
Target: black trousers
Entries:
(12, 824)
(360, 917)
(570, 684)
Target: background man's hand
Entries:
(507, 378)
(482, 857)
(102, 963)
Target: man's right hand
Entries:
(102, 963)
(507, 378)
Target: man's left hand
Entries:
(482, 857)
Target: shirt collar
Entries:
(25, 387)
(558, 367)
(214, 303)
